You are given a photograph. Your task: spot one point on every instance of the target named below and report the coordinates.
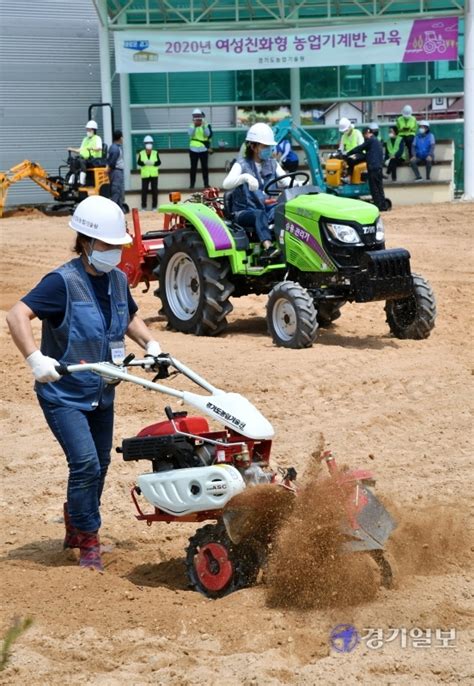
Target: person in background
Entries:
(199, 143)
(89, 153)
(423, 150)
(149, 162)
(372, 149)
(286, 156)
(394, 152)
(115, 169)
(249, 174)
(407, 125)
(86, 311)
(351, 138)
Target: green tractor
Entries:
(333, 252)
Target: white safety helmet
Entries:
(260, 133)
(425, 123)
(100, 218)
(148, 139)
(407, 111)
(91, 124)
(373, 126)
(344, 124)
(197, 112)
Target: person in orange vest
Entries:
(148, 160)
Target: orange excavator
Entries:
(65, 194)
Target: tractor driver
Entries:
(89, 153)
(248, 175)
(350, 139)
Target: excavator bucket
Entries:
(3, 192)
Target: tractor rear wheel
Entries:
(413, 317)
(194, 289)
(291, 316)
(215, 566)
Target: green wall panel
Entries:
(148, 88)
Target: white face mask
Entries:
(105, 261)
(148, 146)
(90, 133)
(422, 129)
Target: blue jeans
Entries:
(255, 219)
(86, 439)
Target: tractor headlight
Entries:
(344, 233)
(379, 230)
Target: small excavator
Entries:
(332, 178)
(65, 194)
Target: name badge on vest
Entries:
(117, 351)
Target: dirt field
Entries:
(399, 407)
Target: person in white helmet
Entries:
(86, 311)
(350, 139)
(407, 126)
(200, 133)
(247, 178)
(90, 153)
(149, 162)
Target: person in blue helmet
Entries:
(86, 311)
(423, 150)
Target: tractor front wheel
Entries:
(413, 317)
(215, 566)
(291, 316)
(193, 288)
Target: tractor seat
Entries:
(228, 205)
(242, 235)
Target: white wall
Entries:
(344, 109)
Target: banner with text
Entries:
(411, 40)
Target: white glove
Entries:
(153, 348)
(250, 180)
(43, 367)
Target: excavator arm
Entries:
(309, 145)
(27, 170)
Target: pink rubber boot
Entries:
(89, 550)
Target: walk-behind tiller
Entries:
(197, 470)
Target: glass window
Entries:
(271, 84)
(243, 85)
(404, 79)
(319, 82)
(360, 81)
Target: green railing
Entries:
(327, 136)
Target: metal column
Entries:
(469, 103)
(126, 126)
(105, 72)
(295, 94)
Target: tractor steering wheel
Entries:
(277, 179)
